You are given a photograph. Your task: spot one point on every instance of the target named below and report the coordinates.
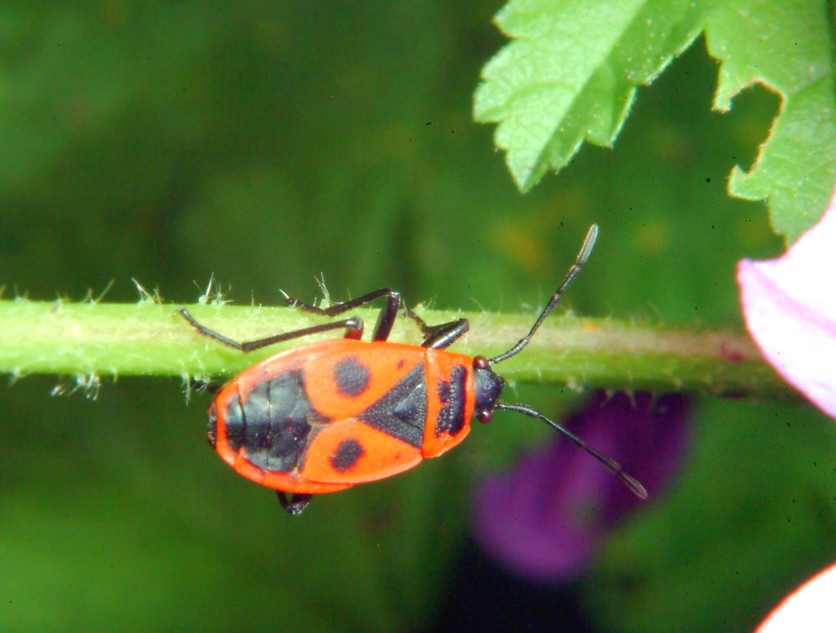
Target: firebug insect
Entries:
(332, 414)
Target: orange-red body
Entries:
(328, 415)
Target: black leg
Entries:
(439, 336)
(385, 320)
(344, 306)
(443, 335)
(435, 336)
(295, 503)
(353, 329)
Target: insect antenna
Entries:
(610, 464)
(580, 260)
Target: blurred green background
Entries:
(270, 142)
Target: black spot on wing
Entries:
(402, 411)
(454, 398)
(346, 455)
(351, 377)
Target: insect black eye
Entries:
(485, 415)
(480, 362)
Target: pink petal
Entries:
(810, 608)
(790, 309)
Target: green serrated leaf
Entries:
(786, 47)
(571, 72)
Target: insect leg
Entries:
(385, 320)
(442, 335)
(295, 503)
(438, 336)
(353, 329)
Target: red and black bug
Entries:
(329, 415)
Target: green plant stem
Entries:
(99, 339)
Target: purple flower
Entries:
(543, 519)
(790, 309)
